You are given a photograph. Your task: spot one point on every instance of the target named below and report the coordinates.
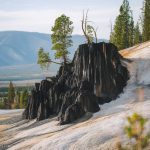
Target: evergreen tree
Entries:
(23, 98)
(11, 93)
(116, 35)
(123, 31)
(146, 20)
(131, 31)
(61, 37)
(137, 34)
(61, 40)
(43, 58)
(17, 97)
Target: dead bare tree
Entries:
(88, 30)
(84, 26)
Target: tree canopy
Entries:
(61, 40)
(61, 37)
(146, 20)
(123, 32)
(43, 58)
(11, 93)
(137, 34)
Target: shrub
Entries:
(135, 130)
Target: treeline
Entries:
(15, 98)
(126, 32)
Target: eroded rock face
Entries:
(95, 76)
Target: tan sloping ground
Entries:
(138, 51)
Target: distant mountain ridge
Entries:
(18, 55)
(19, 47)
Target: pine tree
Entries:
(23, 98)
(116, 35)
(131, 31)
(122, 35)
(43, 58)
(137, 34)
(17, 96)
(126, 24)
(146, 20)
(61, 40)
(11, 93)
(61, 37)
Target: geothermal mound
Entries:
(95, 76)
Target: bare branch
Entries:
(84, 26)
(86, 17)
(50, 61)
(87, 29)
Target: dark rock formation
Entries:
(95, 76)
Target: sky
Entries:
(39, 15)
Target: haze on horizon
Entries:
(39, 16)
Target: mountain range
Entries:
(18, 47)
(18, 55)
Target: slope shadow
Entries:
(38, 123)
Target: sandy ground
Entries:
(99, 131)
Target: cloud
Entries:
(39, 16)
(42, 20)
